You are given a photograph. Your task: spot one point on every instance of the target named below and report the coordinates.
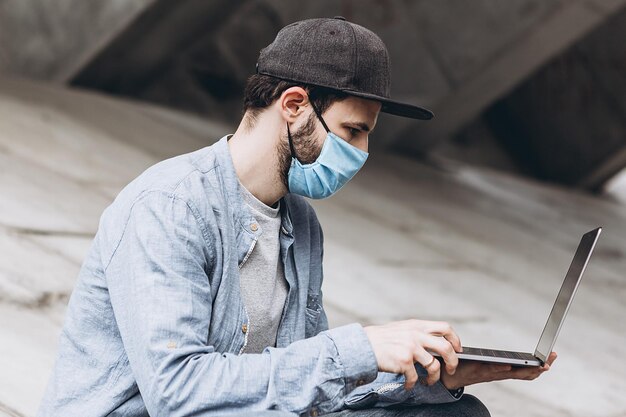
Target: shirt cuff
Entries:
(355, 354)
(438, 392)
(457, 393)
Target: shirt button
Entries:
(244, 328)
(254, 227)
(360, 382)
(314, 413)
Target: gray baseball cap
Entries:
(337, 54)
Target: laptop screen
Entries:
(566, 294)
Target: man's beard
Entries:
(305, 145)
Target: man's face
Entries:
(352, 119)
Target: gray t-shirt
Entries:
(263, 284)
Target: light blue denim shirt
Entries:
(156, 323)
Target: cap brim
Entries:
(395, 107)
(388, 106)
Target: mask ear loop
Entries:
(293, 150)
(319, 115)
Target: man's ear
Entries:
(292, 103)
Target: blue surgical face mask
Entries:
(336, 164)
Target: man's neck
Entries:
(255, 158)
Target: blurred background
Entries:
(472, 217)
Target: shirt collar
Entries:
(231, 185)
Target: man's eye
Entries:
(354, 131)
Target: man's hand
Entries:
(399, 345)
(472, 372)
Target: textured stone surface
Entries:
(464, 33)
(50, 40)
(455, 57)
(574, 107)
(485, 251)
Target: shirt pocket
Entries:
(313, 311)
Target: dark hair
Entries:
(262, 90)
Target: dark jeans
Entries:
(467, 406)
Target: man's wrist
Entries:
(448, 380)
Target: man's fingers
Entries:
(443, 329)
(399, 346)
(434, 371)
(445, 349)
(410, 377)
(430, 364)
(551, 358)
(548, 363)
(454, 340)
(525, 373)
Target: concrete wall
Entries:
(50, 40)
(567, 122)
(454, 56)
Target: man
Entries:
(201, 293)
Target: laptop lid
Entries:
(566, 294)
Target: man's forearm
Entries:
(311, 373)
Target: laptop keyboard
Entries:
(498, 353)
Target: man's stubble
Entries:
(306, 148)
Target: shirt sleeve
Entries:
(162, 302)
(388, 389)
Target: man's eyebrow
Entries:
(360, 125)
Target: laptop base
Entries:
(499, 356)
(504, 357)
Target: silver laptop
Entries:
(555, 320)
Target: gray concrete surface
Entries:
(53, 40)
(533, 66)
(483, 250)
(454, 56)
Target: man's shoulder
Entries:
(175, 175)
(170, 190)
(187, 177)
(181, 176)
